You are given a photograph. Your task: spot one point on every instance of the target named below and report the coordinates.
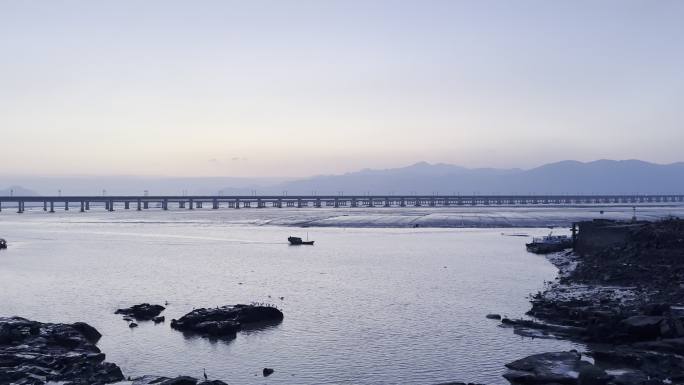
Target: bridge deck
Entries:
(246, 201)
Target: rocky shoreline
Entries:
(622, 293)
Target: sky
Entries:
(296, 88)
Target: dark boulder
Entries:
(546, 368)
(225, 321)
(493, 316)
(89, 332)
(159, 319)
(668, 345)
(671, 328)
(656, 309)
(142, 312)
(132, 325)
(642, 327)
(593, 375)
(268, 371)
(55, 352)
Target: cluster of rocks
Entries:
(37, 353)
(226, 321)
(626, 300)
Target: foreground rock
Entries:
(142, 312)
(37, 353)
(225, 321)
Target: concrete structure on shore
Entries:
(110, 203)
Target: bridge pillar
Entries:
(191, 204)
(127, 205)
(215, 204)
(82, 206)
(318, 202)
(66, 205)
(165, 204)
(44, 205)
(354, 203)
(139, 204)
(237, 204)
(20, 207)
(299, 203)
(432, 202)
(181, 204)
(107, 205)
(416, 203)
(279, 204)
(146, 205)
(0, 206)
(199, 204)
(52, 206)
(111, 205)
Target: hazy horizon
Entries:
(270, 88)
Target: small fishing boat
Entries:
(298, 241)
(3, 244)
(549, 244)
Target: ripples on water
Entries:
(363, 306)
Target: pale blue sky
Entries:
(267, 88)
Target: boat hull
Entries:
(296, 241)
(542, 248)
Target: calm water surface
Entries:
(363, 306)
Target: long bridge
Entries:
(164, 202)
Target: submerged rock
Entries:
(182, 380)
(458, 383)
(159, 319)
(142, 312)
(493, 316)
(37, 353)
(225, 321)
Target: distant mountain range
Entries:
(566, 177)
